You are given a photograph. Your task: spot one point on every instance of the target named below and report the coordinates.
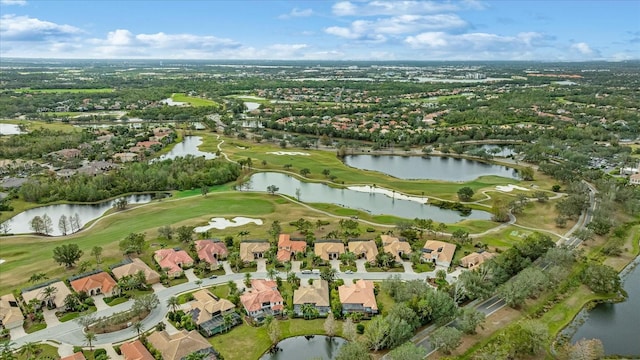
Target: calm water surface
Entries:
(617, 325)
(373, 203)
(188, 146)
(431, 168)
(19, 224)
(306, 348)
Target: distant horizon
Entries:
(345, 30)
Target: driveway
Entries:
(262, 266)
(50, 317)
(157, 287)
(335, 264)
(99, 302)
(190, 275)
(17, 333)
(407, 267)
(227, 268)
(295, 266)
(360, 265)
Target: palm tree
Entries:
(307, 310)
(195, 356)
(271, 273)
(243, 233)
(49, 295)
(348, 258)
(228, 321)
(172, 302)
(37, 277)
(29, 349)
(137, 327)
(287, 267)
(90, 337)
(199, 283)
(247, 279)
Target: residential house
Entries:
(66, 154)
(358, 297)
(262, 299)
(135, 350)
(208, 312)
(10, 314)
(133, 267)
(147, 144)
(395, 246)
(77, 356)
(287, 247)
(364, 249)
(179, 345)
(329, 250)
(210, 251)
(438, 252)
(634, 179)
(316, 294)
(173, 261)
(125, 157)
(38, 292)
(475, 259)
(253, 250)
(94, 284)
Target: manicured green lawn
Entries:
(117, 301)
(194, 101)
(92, 90)
(35, 327)
(423, 267)
(72, 315)
(246, 342)
(44, 351)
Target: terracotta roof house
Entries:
(38, 292)
(475, 259)
(132, 268)
(253, 250)
(364, 249)
(66, 153)
(634, 179)
(438, 252)
(135, 350)
(329, 250)
(179, 345)
(95, 284)
(125, 156)
(316, 294)
(262, 299)
(147, 144)
(10, 314)
(358, 297)
(287, 248)
(395, 246)
(208, 312)
(211, 251)
(173, 260)
(77, 356)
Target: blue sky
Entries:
(564, 30)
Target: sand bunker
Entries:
(2, 260)
(389, 193)
(288, 153)
(510, 188)
(222, 223)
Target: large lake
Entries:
(617, 325)
(314, 347)
(20, 224)
(371, 202)
(188, 146)
(431, 168)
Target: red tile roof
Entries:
(262, 291)
(135, 351)
(100, 280)
(169, 258)
(207, 248)
(287, 247)
(76, 356)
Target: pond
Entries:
(499, 150)
(369, 201)
(9, 129)
(306, 348)
(615, 324)
(250, 105)
(431, 168)
(188, 146)
(20, 224)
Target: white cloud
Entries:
(295, 12)
(25, 28)
(378, 30)
(583, 48)
(390, 8)
(13, 2)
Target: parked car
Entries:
(306, 272)
(348, 272)
(213, 277)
